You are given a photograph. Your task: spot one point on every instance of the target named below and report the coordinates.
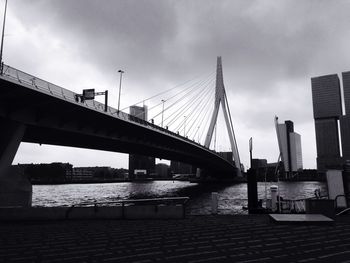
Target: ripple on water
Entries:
(231, 197)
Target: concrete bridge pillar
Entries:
(15, 189)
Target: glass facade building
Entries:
(328, 115)
(290, 148)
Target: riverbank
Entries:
(193, 239)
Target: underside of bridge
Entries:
(33, 116)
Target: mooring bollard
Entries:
(214, 202)
(273, 189)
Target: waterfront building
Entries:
(326, 97)
(82, 173)
(181, 168)
(345, 138)
(289, 143)
(327, 107)
(139, 112)
(296, 156)
(346, 89)
(162, 170)
(139, 165)
(345, 120)
(47, 173)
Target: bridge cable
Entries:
(190, 115)
(177, 101)
(199, 85)
(200, 108)
(187, 105)
(179, 111)
(204, 116)
(191, 86)
(233, 132)
(188, 112)
(199, 112)
(206, 123)
(168, 90)
(200, 122)
(160, 103)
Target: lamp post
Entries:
(120, 87)
(198, 133)
(185, 127)
(2, 38)
(163, 112)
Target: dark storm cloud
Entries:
(110, 33)
(261, 42)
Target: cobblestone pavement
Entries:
(194, 239)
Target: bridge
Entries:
(36, 111)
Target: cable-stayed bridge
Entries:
(36, 111)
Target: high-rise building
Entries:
(289, 143)
(346, 89)
(327, 106)
(345, 138)
(326, 97)
(296, 155)
(345, 120)
(140, 166)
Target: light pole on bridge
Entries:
(198, 133)
(163, 112)
(185, 126)
(2, 38)
(120, 87)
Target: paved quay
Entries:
(194, 239)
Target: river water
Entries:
(231, 197)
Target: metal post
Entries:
(2, 38)
(120, 87)
(198, 133)
(185, 127)
(215, 137)
(163, 112)
(251, 150)
(106, 100)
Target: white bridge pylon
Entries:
(220, 98)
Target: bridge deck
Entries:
(53, 116)
(195, 239)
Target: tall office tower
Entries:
(289, 143)
(327, 108)
(345, 120)
(346, 89)
(140, 166)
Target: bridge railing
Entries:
(62, 93)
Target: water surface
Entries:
(231, 197)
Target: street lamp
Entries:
(163, 112)
(198, 133)
(2, 38)
(185, 127)
(120, 87)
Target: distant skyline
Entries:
(270, 51)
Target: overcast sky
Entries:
(270, 50)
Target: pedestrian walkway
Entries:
(194, 239)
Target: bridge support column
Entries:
(15, 189)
